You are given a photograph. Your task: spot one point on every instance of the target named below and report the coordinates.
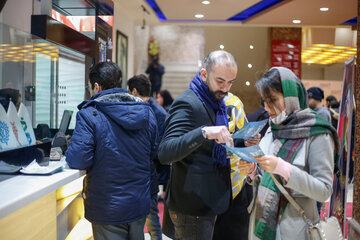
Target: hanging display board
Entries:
(287, 53)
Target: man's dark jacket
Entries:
(155, 73)
(196, 187)
(114, 140)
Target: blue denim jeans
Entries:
(192, 227)
(127, 231)
(153, 221)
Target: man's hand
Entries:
(252, 141)
(246, 167)
(218, 133)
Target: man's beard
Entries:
(312, 105)
(218, 95)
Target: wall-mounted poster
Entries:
(102, 50)
(104, 38)
(121, 54)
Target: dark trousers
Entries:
(155, 88)
(192, 227)
(127, 231)
(234, 223)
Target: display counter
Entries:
(42, 79)
(34, 207)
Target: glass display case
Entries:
(47, 78)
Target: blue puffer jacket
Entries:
(160, 115)
(114, 140)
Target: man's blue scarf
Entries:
(219, 107)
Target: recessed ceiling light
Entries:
(199, 15)
(247, 83)
(324, 9)
(205, 2)
(296, 21)
(251, 46)
(249, 65)
(221, 46)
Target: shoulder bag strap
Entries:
(292, 201)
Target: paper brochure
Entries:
(250, 130)
(246, 153)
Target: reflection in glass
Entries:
(47, 78)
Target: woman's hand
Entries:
(268, 162)
(246, 167)
(252, 141)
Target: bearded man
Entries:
(200, 186)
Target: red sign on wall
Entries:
(286, 53)
(81, 23)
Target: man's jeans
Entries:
(153, 221)
(192, 227)
(127, 231)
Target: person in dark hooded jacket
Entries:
(140, 86)
(114, 140)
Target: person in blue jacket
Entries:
(140, 86)
(114, 140)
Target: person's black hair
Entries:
(141, 83)
(330, 98)
(106, 74)
(270, 81)
(7, 95)
(167, 97)
(334, 104)
(155, 59)
(332, 101)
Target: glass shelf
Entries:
(46, 77)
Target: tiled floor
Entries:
(349, 200)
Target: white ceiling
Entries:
(282, 14)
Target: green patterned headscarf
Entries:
(289, 136)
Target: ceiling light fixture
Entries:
(324, 9)
(327, 54)
(296, 21)
(199, 15)
(247, 83)
(221, 46)
(249, 65)
(251, 46)
(205, 2)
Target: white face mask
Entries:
(279, 118)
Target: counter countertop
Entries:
(21, 190)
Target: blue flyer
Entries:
(246, 153)
(250, 130)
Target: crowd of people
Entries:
(127, 142)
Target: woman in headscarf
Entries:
(299, 149)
